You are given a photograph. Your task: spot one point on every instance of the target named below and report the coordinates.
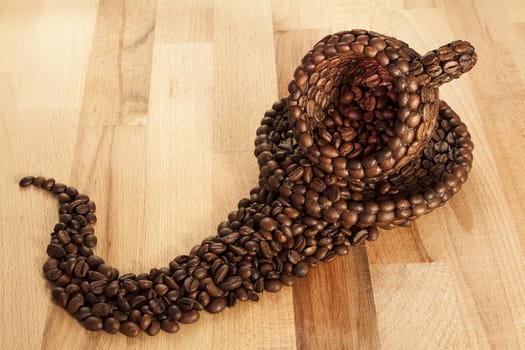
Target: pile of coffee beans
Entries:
(303, 212)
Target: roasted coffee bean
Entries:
(301, 269)
(358, 236)
(214, 291)
(56, 251)
(26, 181)
(287, 280)
(272, 285)
(169, 326)
(186, 304)
(231, 283)
(174, 312)
(83, 313)
(111, 325)
(189, 317)
(221, 273)
(253, 296)
(93, 323)
(130, 329)
(101, 310)
(39, 181)
(48, 184)
(75, 303)
(217, 305)
(268, 224)
(154, 329)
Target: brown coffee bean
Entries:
(230, 283)
(83, 313)
(186, 304)
(214, 291)
(82, 209)
(130, 329)
(174, 312)
(93, 323)
(373, 233)
(301, 269)
(154, 329)
(55, 251)
(273, 285)
(48, 184)
(268, 224)
(58, 188)
(169, 326)
(217, 305)
(189, 317)
(287, 280)
(253, 296)
(221, 273)
(294, 257)
(75, 303)
(358, 236)
(26, 181)
(111, 325)
(101, 310)
(329, 151)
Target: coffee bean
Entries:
(253, 296)
(301, 269)
(48, 184)
(186, 304)
(221, 273)
(58, 188)
(358, 236)
(214, 291)
(268, 224)
(189, 317)
(75, 303)
(55, 251)
(130, 329)
(174, 312)
(111, 325)
(93, 323)
(101, 310)
(231, 283)
(169, 326)
(26, 181)
(272, 285)
(154, 329)
(39, 181)
(217, 305)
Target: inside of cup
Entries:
(360, 115)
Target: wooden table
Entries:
(150, 107)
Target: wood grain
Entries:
(151, 107)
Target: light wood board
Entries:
(150, 107)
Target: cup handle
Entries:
(444, 64)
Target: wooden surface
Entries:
(150, 107)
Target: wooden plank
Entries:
(245, 66)
(290, 48)
(42, 69)
(195, 21)
(334, 305)
(117, 85)
(401, 291)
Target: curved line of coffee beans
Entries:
(273, 237)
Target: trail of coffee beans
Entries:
(319, 193)
(263, 245)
